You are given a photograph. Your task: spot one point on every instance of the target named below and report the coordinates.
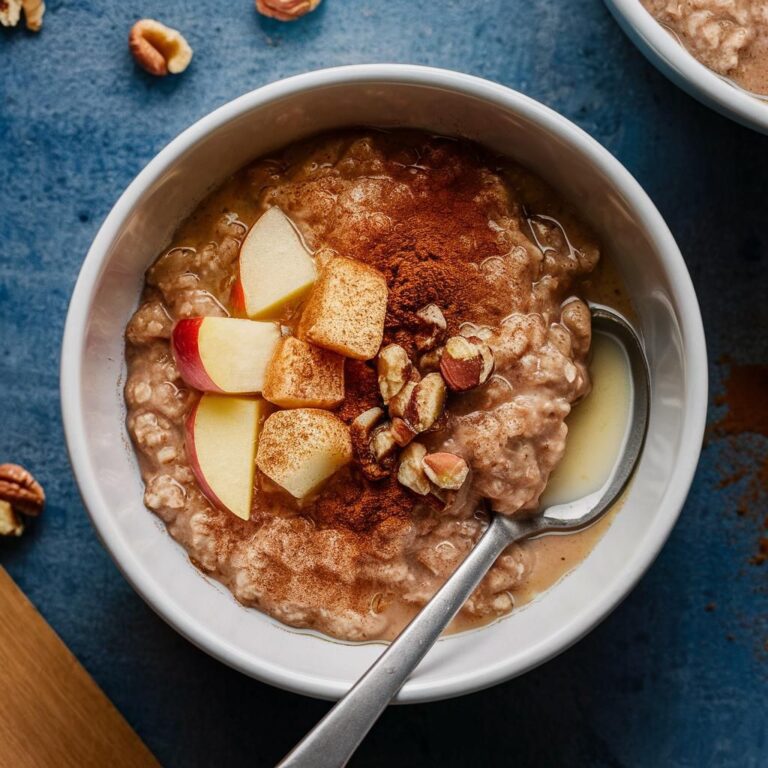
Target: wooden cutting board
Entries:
(52, 713)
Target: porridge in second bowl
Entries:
(347, 352)
(728, 36)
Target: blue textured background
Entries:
(668, 679)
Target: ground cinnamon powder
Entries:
(361, 389)
(746, 412)
(745, 397)
(424, 257)
(743, 426)
(361, 505)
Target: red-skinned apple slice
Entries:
(224, 354)
(222, 434)
(275, 268)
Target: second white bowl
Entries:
(674, 61)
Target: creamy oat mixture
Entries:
(728, 36)
(361, 557)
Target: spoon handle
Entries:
(334, 739)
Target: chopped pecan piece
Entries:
(394, 369)
(432, 327)
(411, 473)
(10, 523)
(399, 402)
(425, 405)
(446, 470)
(383, 444)
(429, 362)
(466, 363)
(366, 444)
(401, 432)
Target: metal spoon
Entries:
(334, 739)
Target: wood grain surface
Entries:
(52, 713)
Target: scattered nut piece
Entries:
(460, 364)
(466, 363)
(10, 12)
(19, 489)
(411, 472)
(394, 368)
(446, 470)
(383, 443)
(363, 425)
(286, 10)
(433, 327)
(361, 431)
(426, 402)
(401, 432)
(10, 524)
(33, 14)
(159, 49)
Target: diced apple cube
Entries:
(345, 311)
(224, 354)
(222, 433)
(275, 268)
(301, 448)
(301, 375)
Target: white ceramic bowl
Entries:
(139, 227)
(674, 61)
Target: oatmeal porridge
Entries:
(350, 350)
(728, 36)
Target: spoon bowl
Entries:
(334, 739)
(580, 513)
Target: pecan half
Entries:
(33, 13)
(158, 49)
(10, 12)
(286, 10)
(19, 489)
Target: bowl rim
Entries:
(665, 53)
(681, 287)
